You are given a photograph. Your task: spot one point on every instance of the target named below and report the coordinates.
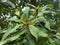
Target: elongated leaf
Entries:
(14, 18)
(43, 34)
(34, 31)
(51, 5)
(11, 4)
(47, 25)
(3, 0)
(44, 8)
(26, 12)
(30, 41)
(9, 31)
(12, 38)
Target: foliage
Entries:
(23, 23)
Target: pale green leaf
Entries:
(34, 31)
(3, 0)
(42, 33)
(47, 25)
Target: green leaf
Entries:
(51, 40)
(33, 6)
(40, 14)
(30, 41)
(58, 37)
(34, 31)
(17, 12)
(43, 19)
(9, 31)
(14, 18)
(57, 41)
(12, 38)
(3, 0)
(43, 34)
(9, 3)
(26, 12)
(47, 25)
(40, 19)
(17, 35)
(44, 8)
(51, 5)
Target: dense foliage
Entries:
(29, 22)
